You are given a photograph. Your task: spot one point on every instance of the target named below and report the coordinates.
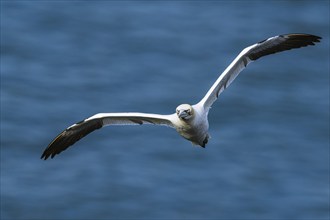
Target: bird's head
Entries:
(185, 111)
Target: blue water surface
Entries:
(63, 61)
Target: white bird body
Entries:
(190, 121)
(195, 129)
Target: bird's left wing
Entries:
(269, 46)
(79, 130)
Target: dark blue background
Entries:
(64, 61)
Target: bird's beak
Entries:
(182, 114)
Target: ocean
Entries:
(63, 61)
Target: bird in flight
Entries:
(190, 121)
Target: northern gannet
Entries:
(190, 121)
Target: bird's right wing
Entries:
(79, 130)
(269, 46)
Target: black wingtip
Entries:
(70, 136)
(282, 43)
(300, 35)
(308, 39)
(44, 156)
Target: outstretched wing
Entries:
(79, 130)
(269, 46)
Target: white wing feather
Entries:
(79, 130)
(133, 119)
(269, 46)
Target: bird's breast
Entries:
(196, 133)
